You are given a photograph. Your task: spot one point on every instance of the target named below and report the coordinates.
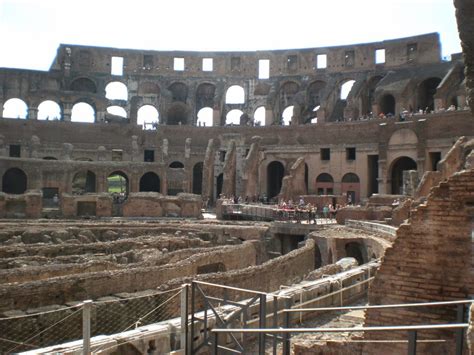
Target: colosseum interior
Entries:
(127, 174)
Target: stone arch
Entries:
(259, 116)
(148, 117)
(176, 165)
(14, 181)
(83, 112)
(235, 94)
(49, 110)
(178, 114)
(205, 117)
(368, 96)
(287, 92)
(425, 93)
(83, 85)
(350, 186)
(324, 184)
(148, 88)
(287, 115)
(314, 93)
(15, 108)
(116, 90)
(275, 174)
(345, 88)
(117, 111)
(387, 104)
(397, 168)
(357, 251)
(118, 183)
(404, 136)
(150, 182)
(179, 92)
(233, 117)
(84, 182)
(205, 95)
(197, 178)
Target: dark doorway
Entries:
(83, 182)
(219, 183)
(14, 181)
(197, 178)
(275, 173)
(400, 165)
(387, 104)
(426, 92)
(373, 174)
(150, 182)
(354, 250)
(317, 257)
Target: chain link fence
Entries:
(108, 316)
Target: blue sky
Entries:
(31, 30)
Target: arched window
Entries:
(83, 182)
(82, 112)
(197, 178)
(176, 165)
(426, 92)
(116, 91)
(398, 167)
(275, 173)
(325, 184)
(205, 95)
(150, 182)
(49, 110)
(204, 117)
(15, 108)
(287, 115)
(350, 178)
(84, 85)
(346, 89)
(233, 117)
(235, 95)
(259, 116)
(14, 181)
(117, 183)
(148, 117)
(117, 111)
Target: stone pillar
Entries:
(383, 179)
(67, 111)
(268, 116)
(216, 117)
(33, 113)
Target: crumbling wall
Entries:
(431, 260)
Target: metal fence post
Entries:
(86, 327)
(412, 335)
(460, 332)
(286, 336)
(184, 318)
(262, 324)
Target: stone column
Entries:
(33, 113)
(67, 111)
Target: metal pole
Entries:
(286, 336)
(184, 318)
(412, 335)
(215, 346)
(191, 338)
(86, 327)
(460, 332)
(262, 324)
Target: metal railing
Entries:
(412, 330)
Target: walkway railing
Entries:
(412, 330)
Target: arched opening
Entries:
(117, 183)
(83, 85)
(314, 114)
(148, 117)
(178, 114)
(275, 173)
(205, 117)
(369, 95)
(83, 112)
(179, 92)
(219, 184)
(205, 96)
(150, 182)
(15, 108)
(324, 184)
(346, 88)
(176, 165)
(116, 91)
(398, 167)
(387, 104)
(14, 181)
(287, 115)
(287, 93)
(426, 92)
(233, 117)
(356, 251)
(314, 93)
(318, 262)
(350, 186)
(235, 95)
(197, 178)
(49, 110)
(259, 116)
(117, 111)
(84, 182)
(148, 89)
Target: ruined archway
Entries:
(150, 182)
(82, 112)
(355, 250)
(398, 167)
(116, 90)
(275, 173)
(15, 108)
(205, 96)
(425, 93)
(117, 183)
(84, 182)
(14, 181)
(49, 110)
(179, 92)
(235, 95)
(83, 85)
(148, 117)
(178, 114)
(387, 104)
